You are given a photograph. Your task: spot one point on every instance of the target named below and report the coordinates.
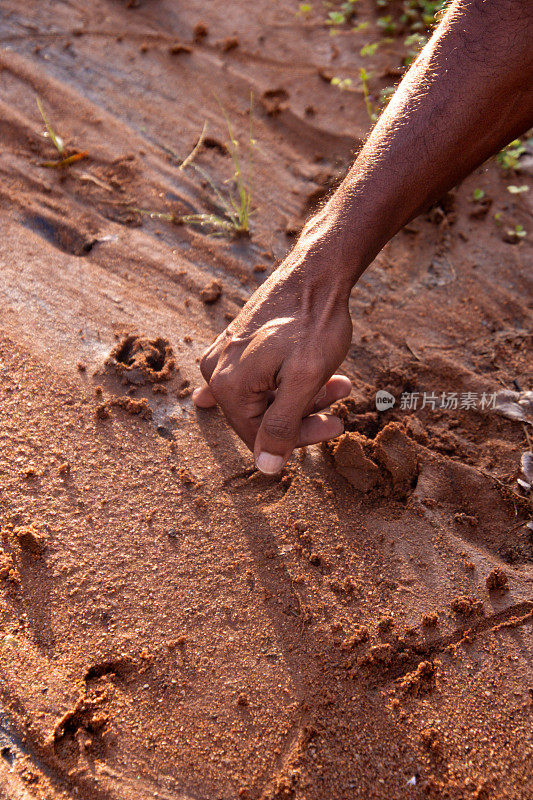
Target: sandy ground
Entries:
(172, 623)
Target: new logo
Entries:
(384, 400)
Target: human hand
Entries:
(266, 370)
(270, 370)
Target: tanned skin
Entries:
(468, 94)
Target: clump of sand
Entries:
(386, 465)
(497, 580)
(139, 360)
(30, 538)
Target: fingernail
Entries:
(269, 463)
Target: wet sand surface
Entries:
(172, 623)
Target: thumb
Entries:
(280, 427)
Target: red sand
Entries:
(174, 624)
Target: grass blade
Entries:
(56, 140)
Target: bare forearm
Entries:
(468, 94)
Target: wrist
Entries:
(322, 251)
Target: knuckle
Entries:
(280, 428)
(251, 383)
(306, 373)
(220, 383)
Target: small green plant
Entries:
(414, 44)
(305, 9)
(412, 19)
(418, 17)
(478, 195)
(512, 235)
(343, 15)
(369, 49)
(342, 83)
(421, 14)
(240, 216)
(387, 25)
(385, 95)
(415, 40)
(336, 18)
(509, 157)
(236, 209)
(57, 141)
(66, 159)
(364, 75)
(517, 232)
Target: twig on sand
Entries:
(413, 352)
(516, 527)
(67, 161)
(190, 158)
(301, 610)
(522, 501)
(86, 177)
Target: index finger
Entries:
(335, 389)
(242, 407)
